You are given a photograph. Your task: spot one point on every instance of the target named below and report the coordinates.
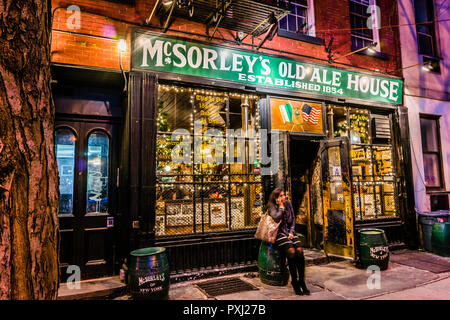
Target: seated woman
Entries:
(281, 210)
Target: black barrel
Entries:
(272, 265)
(149, 274)
(373, 248)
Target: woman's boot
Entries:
(293, 271)
(301, 274)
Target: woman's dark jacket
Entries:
(287, 217)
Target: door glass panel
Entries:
(65, 156)
(97, 172)
(337, 193)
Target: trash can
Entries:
(149, 274)
(373, 248)
(440, 239)
(272, 265)
(426, 220)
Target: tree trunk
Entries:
(29, 234)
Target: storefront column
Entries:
(142, 150)
(407, 184)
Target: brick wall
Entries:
(95, 43)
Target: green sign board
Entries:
(152, 52)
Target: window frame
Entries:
(372, 182)
(200, 180)
(375, 30)
(310, 35)
(434, 36)
(436, 119)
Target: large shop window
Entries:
(429, 127)
(372, 160)
(206, 183)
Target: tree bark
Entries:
(29, 234)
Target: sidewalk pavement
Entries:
(111, 287)
(340, 281)
(411, 275)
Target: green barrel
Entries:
(440, 239)
(373, 248)
(272, 265)
(149, 274)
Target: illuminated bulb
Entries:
(122, 45)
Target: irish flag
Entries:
(286, 112)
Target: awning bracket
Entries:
(217, 16)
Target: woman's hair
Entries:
(273, 197)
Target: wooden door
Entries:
(338, 231)
(86, 164)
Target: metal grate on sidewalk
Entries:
(225, 286)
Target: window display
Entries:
(373, 172)
(206, 182)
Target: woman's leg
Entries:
(300, 263)
(290, 254)
(288, 249)
(293, 270)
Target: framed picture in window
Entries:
(357, 171)
(217, 215)
(198, 213)
(173, 209)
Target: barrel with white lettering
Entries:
(149, 274)
(373, 248)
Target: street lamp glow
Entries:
(372, 48)
(427, 67)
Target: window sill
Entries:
(379, 55)
(300, 37)
(437, 190)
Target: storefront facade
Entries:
(231, 125)
(176, 137)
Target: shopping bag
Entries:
(267, 229)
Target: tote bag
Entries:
(267, 229)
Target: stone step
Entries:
(94, 289)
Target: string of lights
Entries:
(382, 27)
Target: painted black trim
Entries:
(300, 37)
